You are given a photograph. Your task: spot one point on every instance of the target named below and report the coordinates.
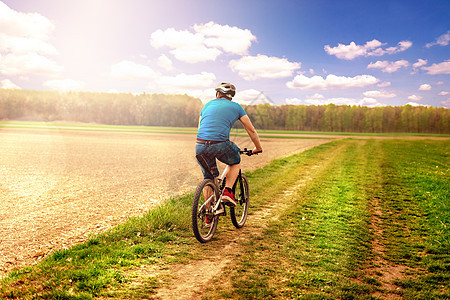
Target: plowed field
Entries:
(58, 187)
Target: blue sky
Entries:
(295, 52)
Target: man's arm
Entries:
(245, 120)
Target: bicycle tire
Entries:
(239, 213)
(202, 233)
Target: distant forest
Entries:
(183, 111)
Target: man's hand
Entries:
(256, 150)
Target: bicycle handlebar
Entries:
(248, 152)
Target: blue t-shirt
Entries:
(217, 118)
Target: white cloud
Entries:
(444, 93)
(128, 70)
(371, 48)
(230, 39)
(441, 68)
(330, 82)
(187, 47)
(30, 63)
(319, 99)
(372, 102)
(15, 23)
(401, 46)
(8, 84)
(195, 54)
(379, 94)
(425, 87)
(247, 96)
(443, 40)
(293, 101)
(388, 67)
(316, 99)
(252, 97)
(343, 101)
(415, 104)
(415, 98)
(205, 44)
(352, 50)
(262, 66)
(165, 62)
(24, 44)
(196, 85)
(65, 85)
(174, 38)
(384, 84)
(420, 63)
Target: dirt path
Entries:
(58, 187)
(189, 281)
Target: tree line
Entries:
(103, 108)
(346, 118)
(183, 111)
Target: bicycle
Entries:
(207, 202)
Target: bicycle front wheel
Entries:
(240, 211)
(206, 196)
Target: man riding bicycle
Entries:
(216, 119)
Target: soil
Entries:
(59, 187)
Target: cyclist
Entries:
(216, 119)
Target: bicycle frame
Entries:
(217, 182)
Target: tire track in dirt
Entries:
(380, 268)
(384, 270)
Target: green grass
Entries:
(315, 249)
(286, 134)
(416, 182)
(320, 247)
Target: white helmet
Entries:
(227, 89)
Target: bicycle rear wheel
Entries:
(240, 211)
(206, 196)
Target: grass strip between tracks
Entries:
(363, 207)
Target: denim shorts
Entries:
(226, 152)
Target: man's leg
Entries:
(207, 193)
(232, 175)
(229, 155)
